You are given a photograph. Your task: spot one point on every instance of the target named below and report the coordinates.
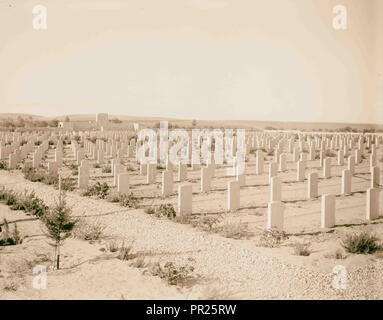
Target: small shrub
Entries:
(272, 238)
(51, 179)
(126, 251)
(98, 189)
(10, 284)
(165, 210)
(89, 230)
(174, 275)
(112, 246)
(233, 230)
(139, 263)
(107, 169)
(32, 204)
(72, 166)
(206, 223)
(115, 197)
(129, 200)
(302, 249)
(362, 243)
(184, 219)
(27, 202)
(16, 236)
(38, 175)
(11, 199)
(9, 238)
(150, 210)
(96, 166)
(67, 184)
(33, 174)
(3, 165)
(37, 143)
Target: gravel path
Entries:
(245, 270)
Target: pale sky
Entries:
(203, 59)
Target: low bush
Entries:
(92, 231)
(129, 200)
(32, 204)
(329, 153)
(67, 184)
(206, 223)
(138, 262)
(33, 174)
(9, 238)
(27, 202)
(3, 165)
(164, 210)
(337, 254)
(38, 175)
(361, 243)
(174, 275)
(126, 251)
(233, 230)
(100, 190)
(107, 169)
(302, 249)
(150, 210)
(272, 238)
(112, 246)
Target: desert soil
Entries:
(224, 267)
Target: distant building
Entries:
(100, 123)
(102, 119)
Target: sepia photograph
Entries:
(191, 150)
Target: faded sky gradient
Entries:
(204, 59)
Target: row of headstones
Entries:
(276, 208)
(185, 194)
(16, 152)
(275, 218)
(80, 155)
(307, 142)
(312, 191)
(11, 146)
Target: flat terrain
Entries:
(223, 267)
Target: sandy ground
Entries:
(226, 268)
